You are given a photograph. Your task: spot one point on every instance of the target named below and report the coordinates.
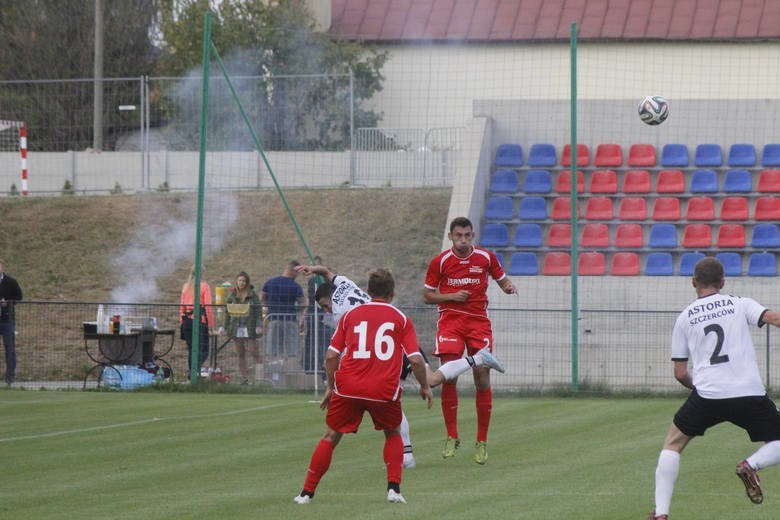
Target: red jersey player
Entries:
(457, 281)
(363, 365)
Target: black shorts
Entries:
(757, 415)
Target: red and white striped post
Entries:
(23, 152)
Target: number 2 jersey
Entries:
(346, 295)
(713, 332)
(372, 339)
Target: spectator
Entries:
(187, 315)
(243, 328)
(10, 293)
(283, 297)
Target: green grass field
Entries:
(188, 455)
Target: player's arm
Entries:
(330, 365)
(682, 374)
(317, 269)
(506, 285)
(421, 374)
(433, 297)
(771, 317)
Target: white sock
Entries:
(452, 369)
(665, 476)
(767, 455)
(405, 433)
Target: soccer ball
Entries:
(653, 110)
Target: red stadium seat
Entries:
(559, 235)
(608, 155)
(632, 208)
(768, 181)
(700, 208)
(563, 184)
(624, 264)
(734, 208)
(731, 235)
(666, 208)
(599, 208)
(556, 263)
(583, 155)
(591, 263)
(670, 181)
(594, 235)
(767, 208)
(641, 155)
(629, 235)
(697, 235)
(561, 209)
(636, 181)
(603, 181)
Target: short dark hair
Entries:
(381, 284)
(708, 272)
(324, 290)
(460, 222)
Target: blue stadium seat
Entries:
(732, 263)
(737, 181)
(532, 208)
(537, 181)
(500, 207)
(528, 235)
(523, 263)
(742, 154)
(762, 264)
(663, 236)
(659, 264)
(495, 235)
(708, 155)
(765, 235)
(509, 155)
(688, 262)
(504, 181)
(771, 155)
(500, 258)
(674, 155)
(704, 181)
(542, 155)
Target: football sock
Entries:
(767, 455)
(453, 369)
(395, 486)
(449, 408)
(665, 476)
(393, 455)
(319, 464)
(484, 400)
(405, 434)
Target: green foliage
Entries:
(67, 188)
(14, 191)
(117, 189)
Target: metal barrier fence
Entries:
(618, 350)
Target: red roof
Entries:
(550, 20)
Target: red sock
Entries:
(394, 457)
(320, 462)
(484, 407)
(449, 408)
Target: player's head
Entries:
(381, 284)
(708, 274)
(323, 296)
(461, 234)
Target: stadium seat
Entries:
(624, 264)
(734, 208)
(641, 155)
(737, 181)
(659, 264)
(561, 209)
(532, 208)
(603, 181)
(771, 155)
(591, 263)
(542, 155)
(528, 235)
(697, 235)
(556, 263)
(636, 181)
(732, 263)
(500, 258)
(632, 208)
(504, 181)
(599, 208)
(666, 208)
(670, 181)
(765, 236)
(768, 181)
(583, 155)
(509, 155)
(767, 208)
(742, 154)
(559, 235)
(500, 207)
(700, 208)
(731, 235)
(629, 235)
(674, 155)
(594, 235)
(608, 155)
(704, 181)
(523, 263)
(688, 262)
(537, 181)
(762, 264)
(495, 235)
(708, 155)
(563, 183)
(663, 236)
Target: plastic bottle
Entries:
(116, 324)
(101, 320)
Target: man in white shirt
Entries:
(713, 333)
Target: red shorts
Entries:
(346, 413)
(457, 332)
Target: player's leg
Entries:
(481, 339)
(760, 418)
(407, 440)
(387, 417)
(667, 469)
(452, 369)
(449, 347)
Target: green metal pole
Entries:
(574, 246)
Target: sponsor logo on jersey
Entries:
(710, 306)
(475, 269)
(442, 339)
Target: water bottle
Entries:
(101, 321)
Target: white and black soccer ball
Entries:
(653, 110)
